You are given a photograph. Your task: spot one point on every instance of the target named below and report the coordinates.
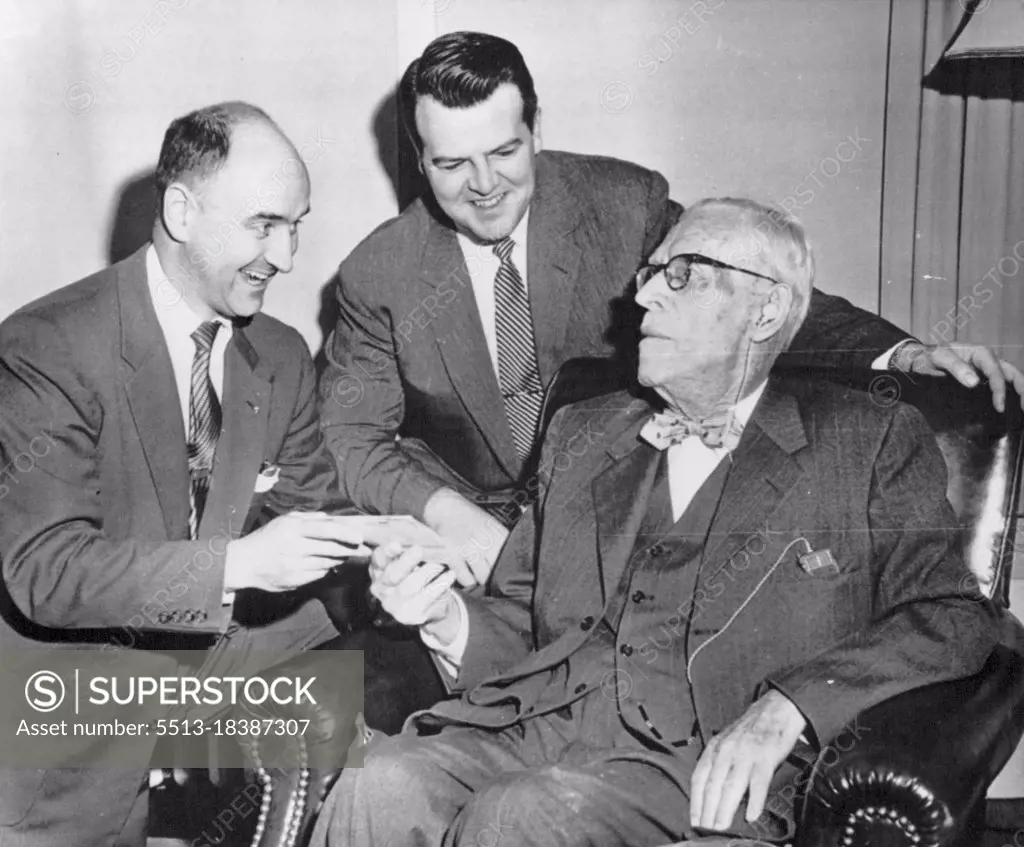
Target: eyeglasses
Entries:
(677, 270)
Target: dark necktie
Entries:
(518, 374)
(667, 428)
(203, 424)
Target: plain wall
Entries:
(723, 97)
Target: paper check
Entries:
(407, 530)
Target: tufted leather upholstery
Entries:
(919, 777)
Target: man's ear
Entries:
(178, 210)
(774, 312)
(538, 141)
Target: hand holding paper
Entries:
(290, 551)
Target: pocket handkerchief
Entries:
(267, 478)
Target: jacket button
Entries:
(587, 623)
(626, 650)
(639, 596)
(579, 689)
(657, 550)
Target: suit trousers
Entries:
(61, 806)
(540, 782)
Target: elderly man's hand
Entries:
(414, 592)
(963, 362)
(744, 758)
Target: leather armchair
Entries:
(919, 776)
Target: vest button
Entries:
(657, 550)
(587, 623)
(639, 596)
(626, 650)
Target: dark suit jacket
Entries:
(408, 357)
(816, 461)
(94, 532)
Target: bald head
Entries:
(197, 145)
(232, 192)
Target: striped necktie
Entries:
(518, 373)
(203, 424)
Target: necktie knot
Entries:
(503, 248)
(205, 334)
(667, 428)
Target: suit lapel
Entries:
(621, 493)
(553, 259)
(240, 450)
(766, 468)
(463, 347)
(158, 423)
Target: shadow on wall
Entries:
(397, 156)
(132, 223)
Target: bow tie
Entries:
(667, 428)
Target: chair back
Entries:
(983, 449)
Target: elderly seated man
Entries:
(710, 592)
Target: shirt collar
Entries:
(174, 315)
(745, 408)
(518, 235)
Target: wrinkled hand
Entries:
(744, 758)
(474, 534)
(290, 551)
(413, 592)
(963, 362)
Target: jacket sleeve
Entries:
(662, 214)
(930, 623)
(59, 567)
(838, 334)
(363, 405)
(500, 619)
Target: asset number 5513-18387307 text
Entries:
(253, 727)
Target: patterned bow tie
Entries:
(667, 428)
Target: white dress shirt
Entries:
(483, 266)
(691, 461)
(178, 322)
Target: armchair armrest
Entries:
(922, 764)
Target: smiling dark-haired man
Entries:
(455, 315)
(177, 420)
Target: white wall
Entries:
(751, 99)
(66, 154)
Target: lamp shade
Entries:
(991, 29)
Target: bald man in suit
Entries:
(166, 480)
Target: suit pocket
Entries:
(819, 565)
(18, 791)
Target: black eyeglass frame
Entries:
(647, 272)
